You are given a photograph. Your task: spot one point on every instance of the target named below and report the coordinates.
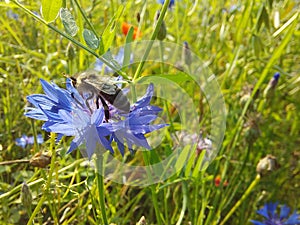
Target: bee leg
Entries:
(105, 106)
(87, 103)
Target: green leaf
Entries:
(127, 48)
(182, 160)
(90, 39)
(50, 9)
(257, 45)
(110, 31)
(68, 21)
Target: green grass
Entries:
(241, 46)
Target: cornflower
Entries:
(271, 218)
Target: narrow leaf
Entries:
(127, 48)
(110, 31)
(90, 39)
(68, 21)
(50, 9)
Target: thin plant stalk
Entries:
(153, 36)
(100, 187)
(152, 188)
(239, 202)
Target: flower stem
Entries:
(153, 36)
(70, 38)
(184, 202)
(85, 18)
(239, 202)
(100, 186)
(152, 188)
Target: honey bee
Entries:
(102, 87)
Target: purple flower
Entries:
(187, 139)
(66, 113)
(172, 2)
(28, 140)
(269, 212)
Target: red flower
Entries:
(218, 181)
(126, 27)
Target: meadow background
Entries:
(244, 43)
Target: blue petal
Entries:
(36, 114)
(276, 76)
(74, 91)
(106, 144)
(257, 222)
(75, 143)
(92, 139)
(97, 117)
(21, 141)
(40, 139)
(73, 146)
(284, 212)
(49, 90)
(293, 219)
(145, 100)
(264, 212)
(272, 208)
(61, 128)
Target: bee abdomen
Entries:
(119, 100)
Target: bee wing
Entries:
(103, 83)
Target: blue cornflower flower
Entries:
(172, 2)
(66, 113)
(269, 212)
(274, 80)
(133, 128)
(28, 140)
(271, 85)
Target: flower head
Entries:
(66, 112)
(133, 128)
(11, 15)
(28, 140)
(269, 212)
(218, 181)
(172, 2)
(271, 85)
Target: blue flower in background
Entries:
(269, 212)
(10, 14)
(271, 85)
(274, 80)
(28, 140)
(65, 113)
(133, 128)
(117, 61)
(172, 2)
